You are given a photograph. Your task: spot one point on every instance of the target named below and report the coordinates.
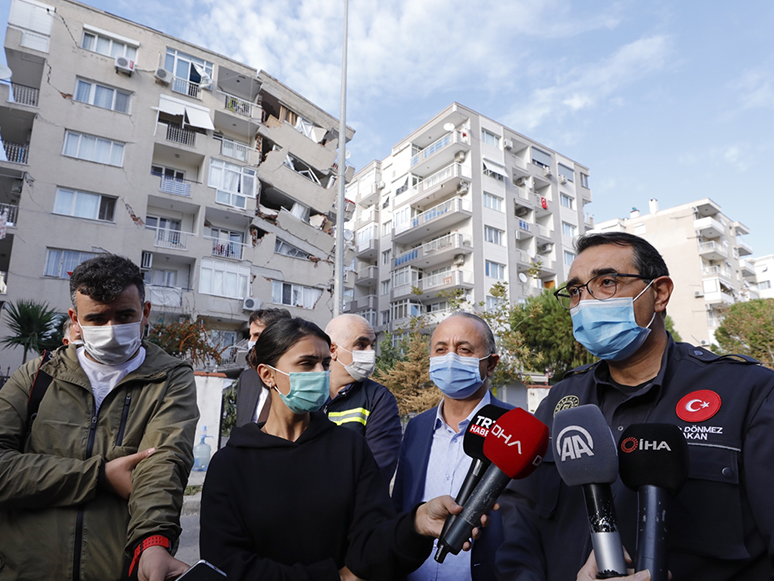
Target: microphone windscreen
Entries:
(584, 447)
(478, 428)
(516, 443)
(654, 454)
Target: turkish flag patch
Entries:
(698, 406)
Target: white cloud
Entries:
(756, 88)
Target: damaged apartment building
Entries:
(215, 177)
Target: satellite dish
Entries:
(448, 127)
(348, 235)
(5, 73)
(523, 277)
(531, 254)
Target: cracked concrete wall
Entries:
(274, 171)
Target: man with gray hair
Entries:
(463, 357)
(356, 402)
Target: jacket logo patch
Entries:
(567, 402)
(698, 406)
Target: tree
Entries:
(32, 323)
(389, 354)
(186, 340)
(670, 326)
(748, 329)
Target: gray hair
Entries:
(491, 346)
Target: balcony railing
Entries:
(227, 249)
(239, 106)
(175, 186)
(705, 247)
(455, 278)
(165, 238)
(15, 152)
(372, 272)
(234, 149)
(186, 87)
(407, 256)
(437, 146)
(25, 95)
(164, 296)
(715, 271)
(450, 171)
(453, 205)
(10, 212)
(453, 240)
(181, 135)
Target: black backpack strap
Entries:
(37, 391)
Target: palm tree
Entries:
(31, 322)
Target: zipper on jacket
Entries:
(79, 518)
(124, 417)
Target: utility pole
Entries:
(338, 269)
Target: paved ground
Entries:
(188, 551)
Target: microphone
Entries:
(515, 446)
(473, 445)
(585, 454)
(654, 461)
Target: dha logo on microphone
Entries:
(498, 432)
(481, 426)
(573, 442)
(631, 444)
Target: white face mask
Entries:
(251, 344)
(112, 344)
(363, 363)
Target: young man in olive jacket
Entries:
(92, 489)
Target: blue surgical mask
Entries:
(608, 329)
(308, 390)
(457, 377)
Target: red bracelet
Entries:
(147, 543)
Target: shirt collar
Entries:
(602, 372)
(439, 421)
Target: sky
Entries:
(659, 99)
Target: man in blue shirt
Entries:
(432, 461)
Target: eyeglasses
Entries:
(601, 287)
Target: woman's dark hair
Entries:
(279, 337)
(647, 260)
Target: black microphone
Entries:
(585, 454)
(515, 446)
(473, 445)
(654, 461)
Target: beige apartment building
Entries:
(460, 204)
(215, 177)
(705, 254)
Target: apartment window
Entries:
(91, 148)
(411, 181)
(159, 170)
(584, 180)
(223, 279)
(385, 318)
(60, 263)
(364, 236)
(438, 307)
(102, 96)
(387, 256)
(387, 228)
(567, 172)
(568, 257)
(386, 202)
(566, 201)
(568, 230)
(221, 339)
(540, 157)
(494, 170)
(408, 275)
(492, 303)
(191, 73)
(84, 205)
(404, 309)
(156, 277)
(494, 235)
(108, 46)
(493, 202)
(495, 270)
(294, 295)
(385, 287)
(234, 184)
(764, 285)
(282, 247)
(167, 231)
(490, 138)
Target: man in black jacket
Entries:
(357, 403)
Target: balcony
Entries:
(437, 251)
(403, 291)
(432, 220)
(175, 186)
(441, 184)
(226, 248)
(366, 217)
(708, 227)
(178, 134)
(186, 87)
(525, 195)
(437, 317)
(368, 194)
(743, 248)
(717, 271)
(14, 152)
(707, 208)
(234, 149)
(433, 286)
(164, 296)
(747, 269)
(367, 249)
(174, 239)
(240, 106)
(367, 276)
(739, 228)
(542, 232)
(713, 250)
(368, 302)
(524, 231)
(24, 95)
(439, 153)
(10, 211)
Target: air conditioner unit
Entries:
(147, 259)
(16, 186)
(546, 247)
(459, 157)
(507, 144)
(462, 189)
(562, 180)
(124, 65)
(380, 186)
(698, 294)
(163, 75)
(521, 211)
(250, 304)
(547, 172)
(459, 259)
(521, 182)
